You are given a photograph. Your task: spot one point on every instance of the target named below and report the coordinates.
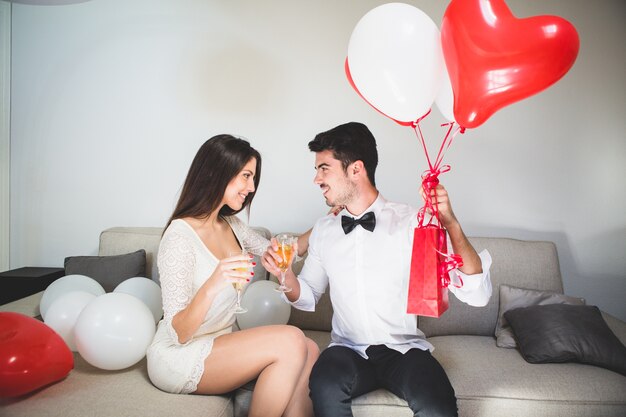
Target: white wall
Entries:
(112, 98)
(5, 136)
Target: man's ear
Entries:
(356, 169)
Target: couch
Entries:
(488, 380)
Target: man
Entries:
(374, 342)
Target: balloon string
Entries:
(445, 144)
(430, 178)
(420, 137)
(447, 141)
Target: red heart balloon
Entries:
(495, 59)
(32, 355)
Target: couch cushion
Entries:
(493, 381)
(108, 271)
(88, 391)
(119, 240)
(520, 263)
(513, 297)
(321, 318)
(27, 305)
(566, 333)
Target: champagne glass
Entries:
(238, 285)
(286, 244)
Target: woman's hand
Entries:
(335, 210)
(231, 270)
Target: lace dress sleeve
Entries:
(176, 263)
(250, 239)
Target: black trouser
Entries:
(341, 374)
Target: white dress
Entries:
(185, 263)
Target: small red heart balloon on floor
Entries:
(32, 355)
(495, 59)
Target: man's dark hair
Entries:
(349, 142)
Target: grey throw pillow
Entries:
(513, 297)
(109, 271)
(567, 333)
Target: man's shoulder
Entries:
(400, 209)
(326, 221)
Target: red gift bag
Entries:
(430, 262)
(428, 282)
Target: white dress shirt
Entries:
(368, 275)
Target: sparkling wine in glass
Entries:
(238, 285)
(286, 244)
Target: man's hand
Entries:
(460, 244)
(271, 258)
(439, 198)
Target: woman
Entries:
(194, 349)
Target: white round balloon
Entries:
(147, 291)
(264, 304)
(395, 59)
(114, 331)
(64, 312)
(64, 285)
(445, 96)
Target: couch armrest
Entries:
(616, 325)
(27, 305)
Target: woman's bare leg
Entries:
(274, 354)
(301, 404)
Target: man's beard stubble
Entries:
(349, 194)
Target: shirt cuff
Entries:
(306, 301)
(476, 288)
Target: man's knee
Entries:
(435, 409)
(425, 385)
(333, 374)
(439, 404)
(325, 376)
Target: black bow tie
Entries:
(368, 222)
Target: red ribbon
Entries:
(451, 261)
(430, 180)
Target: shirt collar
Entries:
(375, 207)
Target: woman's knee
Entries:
(313, 349)
(292, 342)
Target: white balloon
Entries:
(64, 285)
(147, 291)
(114, 331)
(64, 312)
(445, 97)
(395, 59)
(264, 304)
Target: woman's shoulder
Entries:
(236, 223)
(233, 219)
(177, 226)
(179, 232)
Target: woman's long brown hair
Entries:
(217, 162)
